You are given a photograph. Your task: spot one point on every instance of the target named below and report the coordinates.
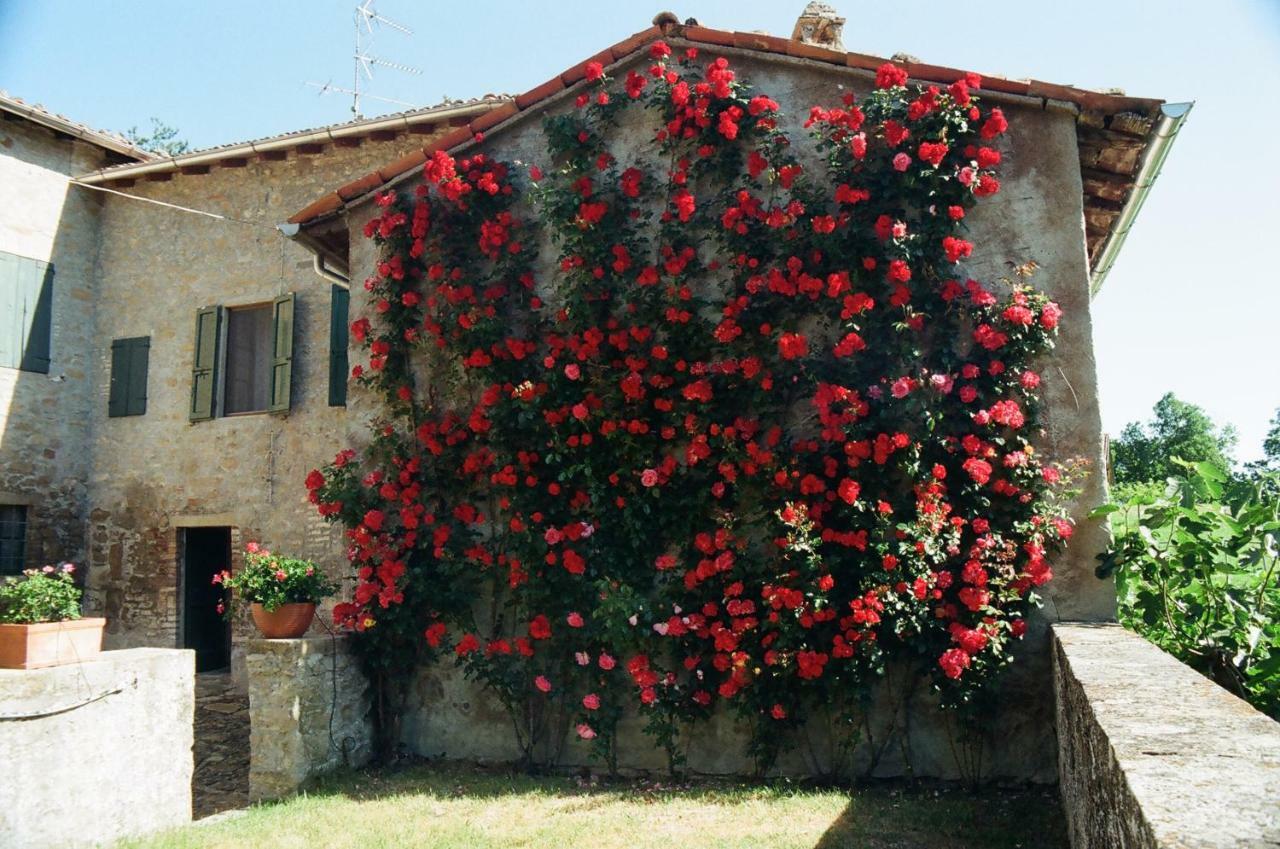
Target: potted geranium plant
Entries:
(282, 591)
(40, 622)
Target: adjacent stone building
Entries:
(102, 456)
(48, 249)
(198, 357)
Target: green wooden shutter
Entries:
(26, 313)
(118, 395)
(39, 318)
(11, 336)
(204, 368)
(139, 363)
(339, 309)
(282, 355)
(129, 363)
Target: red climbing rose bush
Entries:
(695, 415)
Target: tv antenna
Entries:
(366, 18)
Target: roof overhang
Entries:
(423, 120)
(67, 127)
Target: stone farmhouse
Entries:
(173, 343)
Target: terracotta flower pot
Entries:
(50, 643)
(286, 622)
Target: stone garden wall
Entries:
(1153, 754)
(97, 750)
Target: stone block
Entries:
(308, 712)
(96, 751)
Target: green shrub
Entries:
(1196, 573)
(41, 595)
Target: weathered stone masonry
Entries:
(157, 473)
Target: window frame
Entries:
(224, 350)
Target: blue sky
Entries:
(1192, 305)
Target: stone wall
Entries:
(97, 750)
(308, 712)
(157, 473)
(1036, 216)
(1153, 755)
(44, 417)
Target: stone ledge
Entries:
(98, 750)
(1152, 754)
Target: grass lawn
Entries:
(456, 807)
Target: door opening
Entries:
(205, 553)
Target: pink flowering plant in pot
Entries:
(40, 621)
(282, 591)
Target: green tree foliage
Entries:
(1271, 444)
(1196, 571)
(1147, 453)
(163, 139)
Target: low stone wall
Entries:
(308, 712)
(1152, 754)
(95, 751)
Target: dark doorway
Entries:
(205, 553)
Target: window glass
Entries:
(13, 538)
(249, 356)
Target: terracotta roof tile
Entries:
(331, 202)
(405, 163)
(760, 41)
(579, 71)
(365, 184)
(493, 117)
(708, 36)
(552, 86)
(803, 50)
(641, 39)
(449, 140)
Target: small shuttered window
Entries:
(26, 313)
(242, 359)
(339, 307)
(129, 362)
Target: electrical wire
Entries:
(179, 207)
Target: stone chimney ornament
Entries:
(820, 25)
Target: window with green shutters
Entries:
(26, 313)
(242, 359)
(339, 368)
(129, 361)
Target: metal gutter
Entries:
(1172, 117)
(322, 136)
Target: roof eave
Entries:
(58, 124)
(287, 142)
(1172, 117)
